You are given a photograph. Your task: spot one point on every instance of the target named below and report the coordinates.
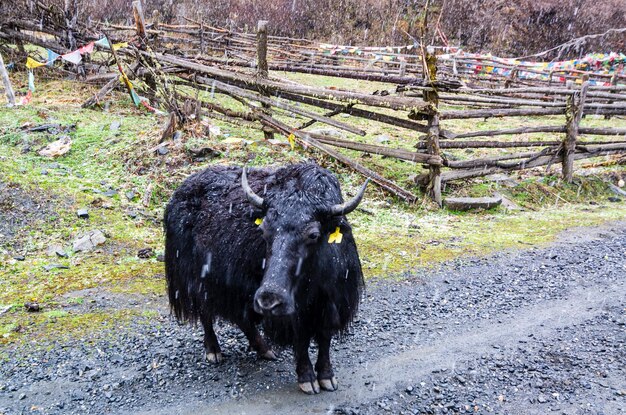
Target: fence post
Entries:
(7, 83)
(140, 21)
(614, 91)
(262, 66)
(573, 113)
(434, 175)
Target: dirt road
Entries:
(529, 332)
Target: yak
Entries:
(266, 247)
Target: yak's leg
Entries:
(323, 367)
(257, 342)
(211, 345)
(306, 376)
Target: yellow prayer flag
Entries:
(258, 221)
(292, 141)
(117, 46)
(31, 63)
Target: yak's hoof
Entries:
(329, 384)
(269, 355)
(310, 388)
(214, 357)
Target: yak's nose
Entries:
(268, 300)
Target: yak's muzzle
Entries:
(273, 302)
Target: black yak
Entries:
(271, 246)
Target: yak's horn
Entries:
(253, 198)
(350, 205)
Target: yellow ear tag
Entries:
(335, 237)
(258, 221)
(292, 141)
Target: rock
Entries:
(50, 267)
(130, 195)
(508, 204)
(614, 199)
(617, 190)
(89, 241)
(503, 179)
(132, 214)
(620, 183)
(115, 126)
(82, 213)
(383, 138)
(162, 150)
(161, 258)
(203, 152)
(467, 203)
(110, 193)
(177, 135)
(55, 249)
(57, 148)
(32, 307)
(19, 257)
(145, 253)
(327, 131)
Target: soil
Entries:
(537, 331)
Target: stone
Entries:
(468, 203)
(503, 179)
(614, 199)
(109, 193)
(88, 241)
(130, 195)
(115, 125)
(82, 213)
(145, 253)
(161, 151)
(328, 132)
(32, 307)
(55, 249)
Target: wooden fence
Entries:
(427, 108)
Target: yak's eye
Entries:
(314, 235)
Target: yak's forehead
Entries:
(293, 213)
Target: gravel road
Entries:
(537, 331)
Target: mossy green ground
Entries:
(393, 237)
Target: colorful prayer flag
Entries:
(88, 48)
(52, 56)
(73, 57)
(31, 63)
(31, 81)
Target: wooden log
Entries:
(380, 150)
(8, 89)
(537, 162)
(397, 103)
(235, 91)
(573, 115)
(469, 203)
(499, 112)
(104, 91)
(305, 139)
(602, 131)
(514, 131)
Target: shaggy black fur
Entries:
(217, 257)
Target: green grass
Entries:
(393, 237)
